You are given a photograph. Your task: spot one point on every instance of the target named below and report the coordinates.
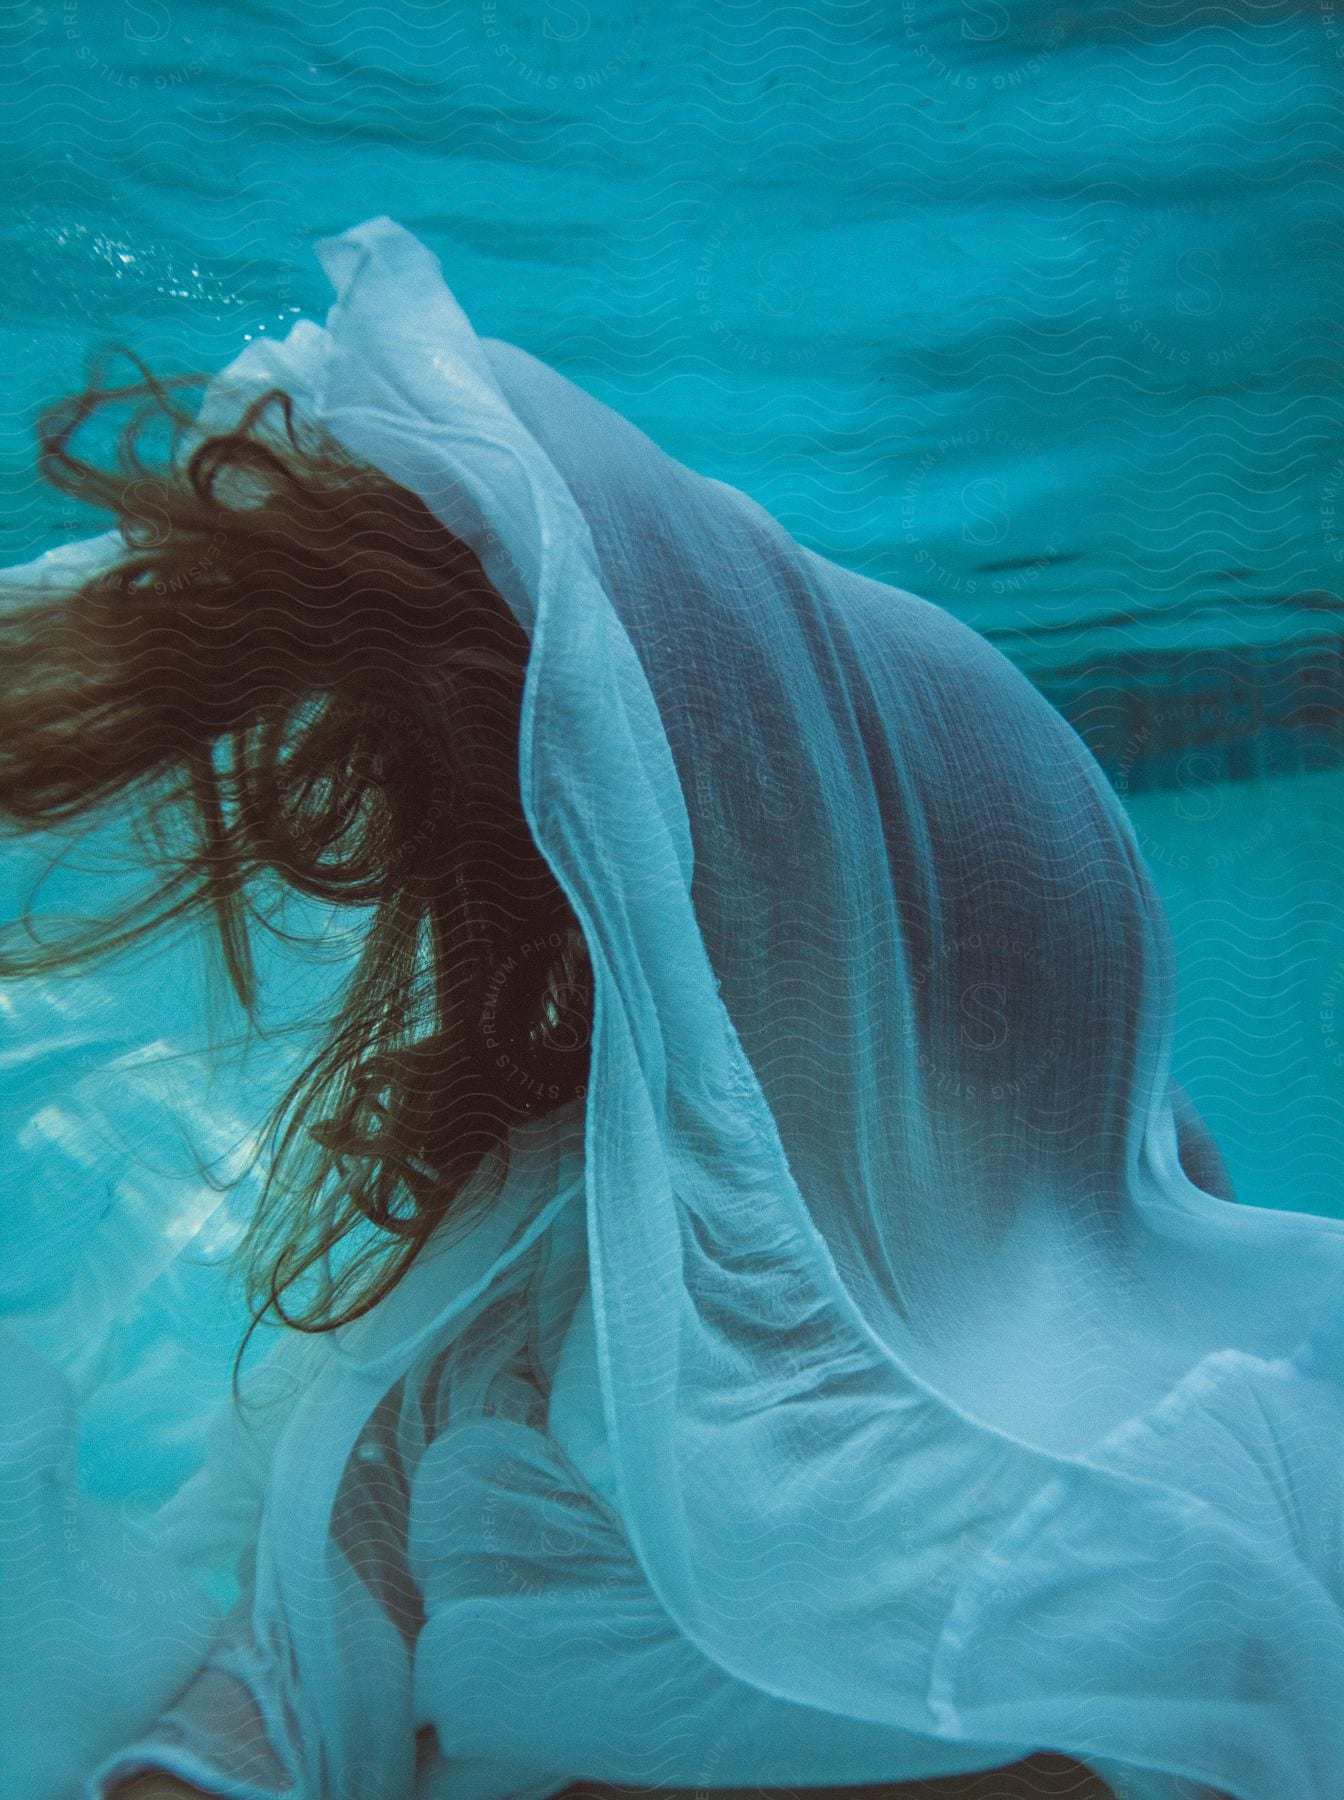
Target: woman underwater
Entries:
(760, 1311)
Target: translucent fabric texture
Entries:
(875, 1379)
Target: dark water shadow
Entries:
(1045, 1776)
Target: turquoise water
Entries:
(1031, 309)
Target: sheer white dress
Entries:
(871, 1380)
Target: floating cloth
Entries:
(871, 1378)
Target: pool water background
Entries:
(1031, 309)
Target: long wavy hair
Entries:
(296, 671)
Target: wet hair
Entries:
(295, 673)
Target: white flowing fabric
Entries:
(870, 1379)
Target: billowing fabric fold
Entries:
(931, 1398)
